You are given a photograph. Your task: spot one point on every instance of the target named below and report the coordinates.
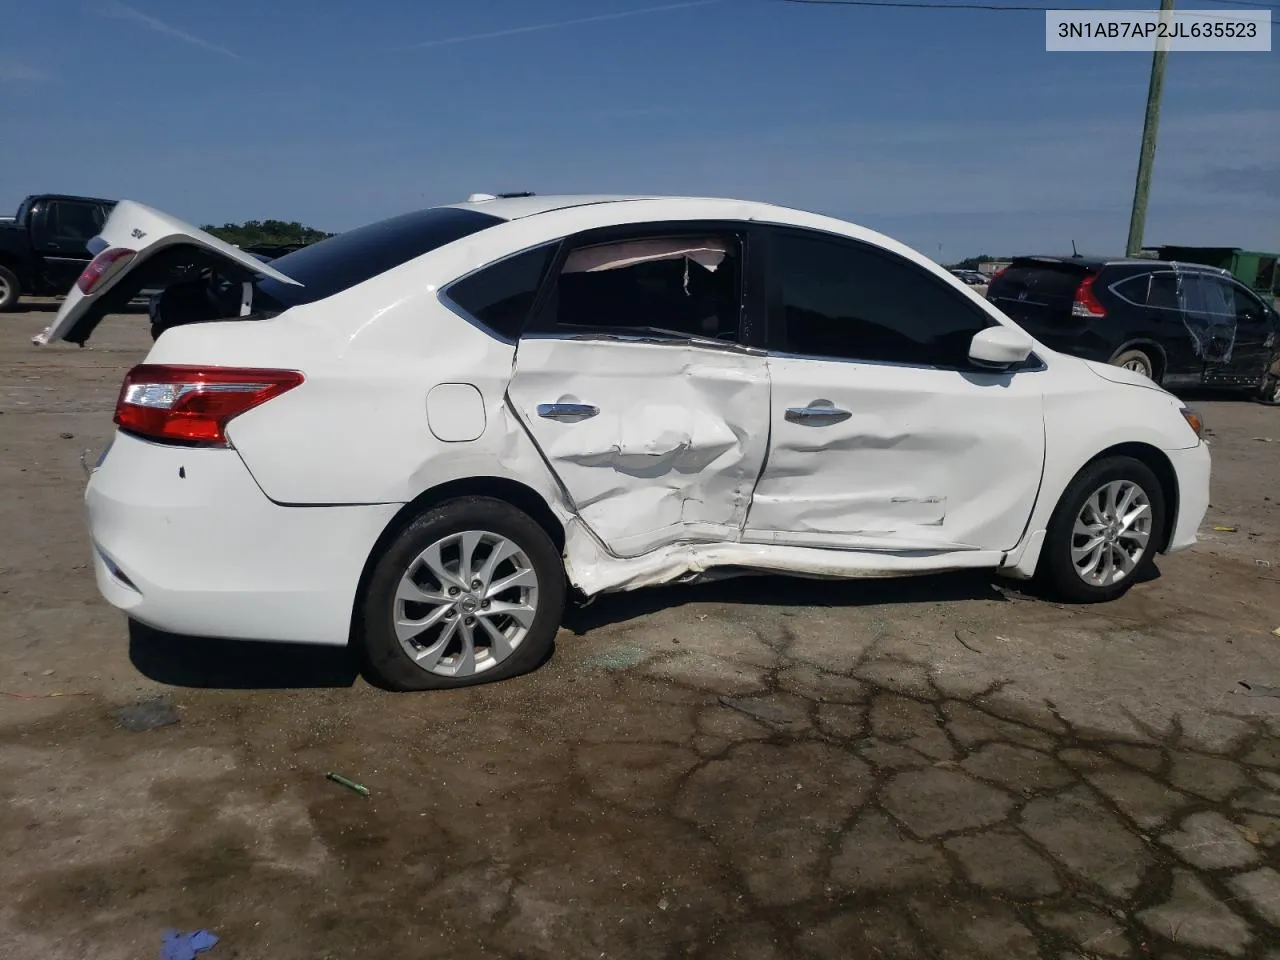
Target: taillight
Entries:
(103, 267)
(998, 274)
(1086, 303)
(194, 404)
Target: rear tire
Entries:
(1136, 360)
(10, 289)
(435, 614)
(1089, 538)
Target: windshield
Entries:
(340, 262)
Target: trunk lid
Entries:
(165, 250)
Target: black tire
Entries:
(388, 662)
(1269, 392)
(1136, 357)
(10, 289)
(1056, 570)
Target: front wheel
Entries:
(471, 591)
(1104, 533)
(10, 289)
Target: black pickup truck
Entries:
(42, 250)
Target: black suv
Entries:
(1180, 324)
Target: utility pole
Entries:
(1138, 218)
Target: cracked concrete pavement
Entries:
(757, 768)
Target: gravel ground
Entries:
(761, 768)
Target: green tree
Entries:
(266, 233)
(971, 263)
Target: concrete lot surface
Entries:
(755, 769)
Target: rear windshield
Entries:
(1047, 281)
(333, 265)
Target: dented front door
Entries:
(654, 442)
(896, 458)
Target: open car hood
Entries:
(164, 249)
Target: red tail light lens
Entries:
(103, 267)
(194, 404)
(1086, 304)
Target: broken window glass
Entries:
(655, 287)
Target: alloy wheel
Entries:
(1112, 533)
(1137, 365)
(466, 603)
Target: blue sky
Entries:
(952, 130)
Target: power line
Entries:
(1242, 3)
(919, 5)
(994, 7)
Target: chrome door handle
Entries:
(818, 413)
(567, 412)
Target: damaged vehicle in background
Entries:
(416, 435)
(1181, 324)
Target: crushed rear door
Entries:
(141, 248)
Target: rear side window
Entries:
(1156, 290)
(501, 295)
(341, 262)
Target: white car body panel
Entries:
(690, 469)
(136, 227)
(207, 554)
(676, 448)
(909, 467)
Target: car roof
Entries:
(1097, 263)
(66, 196)
(516, 207)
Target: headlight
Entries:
(1193, 421)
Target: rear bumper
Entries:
(185, 541)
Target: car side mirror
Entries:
(1000, 347)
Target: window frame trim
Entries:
(775, 323)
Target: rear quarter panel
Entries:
(357, 431)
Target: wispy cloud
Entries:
(16, 71)
(537, 27)
(119, 11)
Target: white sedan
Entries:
(417, 435)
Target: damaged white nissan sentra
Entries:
(417, 434)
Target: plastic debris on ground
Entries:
(185, 946)
(359, 788)
(1257, 690)
(1224, 529)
